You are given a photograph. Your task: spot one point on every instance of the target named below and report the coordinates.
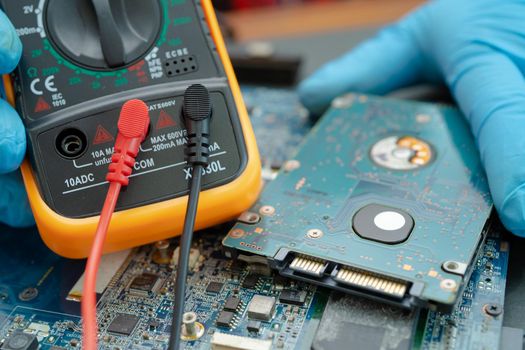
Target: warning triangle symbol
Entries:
(41, 105)
(165, 121)
(102, 136)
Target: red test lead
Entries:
(133, 126)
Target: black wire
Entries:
(184, 252)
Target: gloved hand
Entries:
(14, 207)
(476, 47)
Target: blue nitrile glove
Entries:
(14, 207)
(476, 47)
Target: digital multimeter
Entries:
(82, 60)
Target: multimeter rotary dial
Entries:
(103, 34)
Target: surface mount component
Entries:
(123, 324)
(232, 303)
(192, 260)
(253, 326)
(250, 281)
(261, 307)
(223, 341)
(225, 319)
(214, 287)
(293, 297)
(385, 198)
(144, 283)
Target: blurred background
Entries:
(252, 19)
(280, 42)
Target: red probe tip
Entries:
(133, 126)
(134, 119)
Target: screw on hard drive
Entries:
(28, 294)
(493, 309)
(455, 267)
(314, 233)
(249, 218)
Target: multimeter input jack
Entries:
(71, 143)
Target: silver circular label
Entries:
(389, 221)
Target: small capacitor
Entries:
(161, 254)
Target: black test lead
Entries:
(196, 111)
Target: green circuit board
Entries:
(136, 303)
(385, 198)
(475, 323)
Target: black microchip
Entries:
(123, 324)
(225, 319)
(153, 324)
(144, 283)
(214, 287)
(253, 326)
(250, 281)
(294, 297)
(21, 341)
(232, 303)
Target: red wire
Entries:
(89, 297)
(133, 126)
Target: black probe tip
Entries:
(197, 103)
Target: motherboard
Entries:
(477, 319)
(238, 304)
(135, 307)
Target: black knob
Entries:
(103, 34)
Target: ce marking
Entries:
(49, 85)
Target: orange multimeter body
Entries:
(69, 95)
